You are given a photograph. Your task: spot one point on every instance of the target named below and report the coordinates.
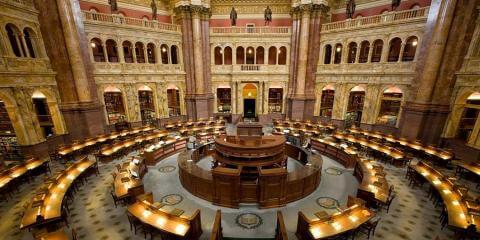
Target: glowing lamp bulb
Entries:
(414, 43)
(93, 45)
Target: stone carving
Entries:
(395, 4)
(113, 5)
(350, 8)
(268, 15)
(153, 5)
(233, 17)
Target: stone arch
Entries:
(54, 109)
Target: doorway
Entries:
(249, 108)
(249, 100)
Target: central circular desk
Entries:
(250, 169)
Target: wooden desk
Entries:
(48, 207)
(125, 185)
(345, 156)
(57, 235)
(9, 175)
(337, 223)
(458, 215)
(377, 186)
(388, 151)
(180, 227)
(469, 167)
(154, 153)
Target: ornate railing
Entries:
(250, 30)
(387, 18)
(120, 20)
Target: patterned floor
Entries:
(94, 216)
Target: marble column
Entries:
(121, 56)
(197, 50)
(303, 50)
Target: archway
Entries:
(249, 94)
(173, 99)
(327, 98)
(40, 105)
(114, 105)
(97, 50)
(390, 104)
(356, 99)
(147, 103)
(8, 139)
(469, 118)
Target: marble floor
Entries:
(93, 215)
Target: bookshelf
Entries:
(224, 100)
(173, 98)
(275, 97)
(114, 107)
(147, 108)
(9, 148)
(389, 109)
(326, 104)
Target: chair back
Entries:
(74, 234)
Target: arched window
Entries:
(127, 51)
(30, 36)
(164, 53)
(97, 50)
(338, 54)
(328, 54)
(227, 54)
(377, 51)
(327, 98)
(352, 52)
(364, 50)
(394, 50)
(260, 55)
(14, 38)
(272, 56)
(410, 49)
(174, 54)
(151, 53)
(139, 52)
(240, 55)
(218, 55)
(282, 56)
(112, 53)
(250, 55)
(390, 106)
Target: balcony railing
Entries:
(250, 30)
(388, 18)
(135, 22)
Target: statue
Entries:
(350, 8)
(113, 5)
(268, 15)
(395, 4)
(233, 17)
(153, 5)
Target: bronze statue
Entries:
(268, 15)
(350, 8)
(113, 5)
(153, 5)
(233, 17)
(395, 4)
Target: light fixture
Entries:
(249, 51)
(92, 44)
(164, 49)
(414, 43)
(339, 49)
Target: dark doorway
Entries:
(249, 108)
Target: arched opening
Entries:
(9, 148)
(227, 56)
(469, 117)
(282, 56)
(327, 98)
(164, 53)
(260, 55)
(328, 54)
(218, 55)
(30, 41)
(173, 99)
(112, 53)
(390, 106)
(272, 56)
(352, 52)
(140, 52)
(249, 94)
(97, 50)
(240, 55)
(114, 105)
(410, 49)
(275, 100)
(147, 106)
(377, 51)
(151, 53)
(338, 54)
(174, 54)
(14, 37)
(127, 51)
(250, 55)
(364, 50)
(44, 117)
(394, 50)
(224, 99)
(355, 106)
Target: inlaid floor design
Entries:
(94, 216)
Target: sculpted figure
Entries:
(153, 5)
(233, 17)
(113, 5)
(350, 8)
(395, 4)
(268, 15)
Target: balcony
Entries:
(385, 68)
(247, 31)
(410, 15)
(137, 68)
(250, 69)
(118, 20)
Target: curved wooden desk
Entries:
(298, 126)
(9, 176)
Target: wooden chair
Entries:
(135, 224)
(116, 200)
(368, 228)
(388, 203)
